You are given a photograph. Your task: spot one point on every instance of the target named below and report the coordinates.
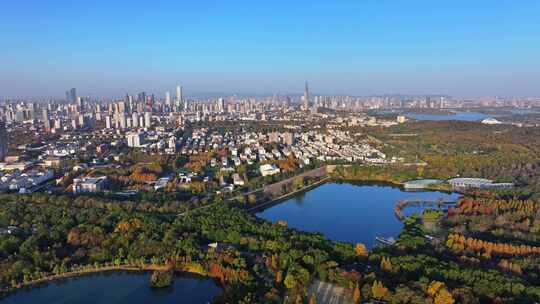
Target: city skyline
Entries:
(345, 48)
(165, 95)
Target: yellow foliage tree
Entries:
(361, 250)
(386, 264)
(357, 296)
(438, 292)
(444, 297)
(434, 288)
(378, 290)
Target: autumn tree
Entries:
(378, 290)
(361, 250)
(444, 297)
(386, 264)
(356, 294)
(438, 292)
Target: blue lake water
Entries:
(461, 116)
(348, 212)
(525, 111)
(118, 288)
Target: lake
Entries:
(118, 288)
(348, 212)
(461, 116)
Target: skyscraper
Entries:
(221, 105)
(147, 120)
(168, 98)
(179, 96)
(73, 95)
(135, 120)
(46, 120)
(3, 141)
(108, 124)
(141, 97)
(306, 96)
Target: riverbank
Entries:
(285, 196)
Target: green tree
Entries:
(290, 281)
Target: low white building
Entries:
(491, 121)
(269, 169)
(480, 183)
(24, 181)
(89, 184)
(161, 183)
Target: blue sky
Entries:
(361, 47)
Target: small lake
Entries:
(118, 288)
(348, 212)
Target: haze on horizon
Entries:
(108, 48)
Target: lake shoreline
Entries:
(339, 209)
(95, 271)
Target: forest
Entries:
(262, 262)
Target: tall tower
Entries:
(179, 96)
(141, 97)
(46, 120)
(168, 98)
(73, 95)
(3, 142)
(306, 96)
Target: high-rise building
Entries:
(147, 120)
(46, 120)
(135, 120)
(80, 103)
(141, 97)
(168, 98)
(82, 121)
(179, 97)
(108, 124)
(221, 105)
(3, 141)
(122, 121)
(306, 96)
(121, 107)
(72, 94)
